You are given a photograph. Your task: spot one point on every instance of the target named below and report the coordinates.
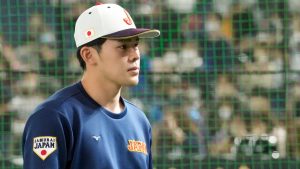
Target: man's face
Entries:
(118, 62)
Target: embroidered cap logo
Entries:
(128, 19)
(89, 33)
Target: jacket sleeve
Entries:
(150, 149)
(46, 141)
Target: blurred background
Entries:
(220, 86)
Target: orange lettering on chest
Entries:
(137, 146)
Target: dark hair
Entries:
(96, 44)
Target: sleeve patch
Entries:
(43, 146)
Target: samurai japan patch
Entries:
(43, 146)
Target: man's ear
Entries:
(87, 55)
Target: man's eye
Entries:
(123, 47)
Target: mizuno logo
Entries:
(97, 138)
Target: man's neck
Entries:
(106, 95)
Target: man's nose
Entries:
(134, 54)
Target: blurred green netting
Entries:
(220, 86)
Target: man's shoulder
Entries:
(135, 111)
(56, 108)
(60, 98)
(131, 106)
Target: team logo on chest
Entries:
(43, 146)
(137, 146)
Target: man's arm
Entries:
(150, 150)
(46, 141)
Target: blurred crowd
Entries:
(222, 71)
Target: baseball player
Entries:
(88, 125)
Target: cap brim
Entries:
(130, 33)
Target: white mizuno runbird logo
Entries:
(97, 138)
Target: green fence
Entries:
(220, 86)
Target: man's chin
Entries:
(132, 83)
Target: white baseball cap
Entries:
(108, 21)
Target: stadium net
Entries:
(220, 86)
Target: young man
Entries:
(89, 125)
